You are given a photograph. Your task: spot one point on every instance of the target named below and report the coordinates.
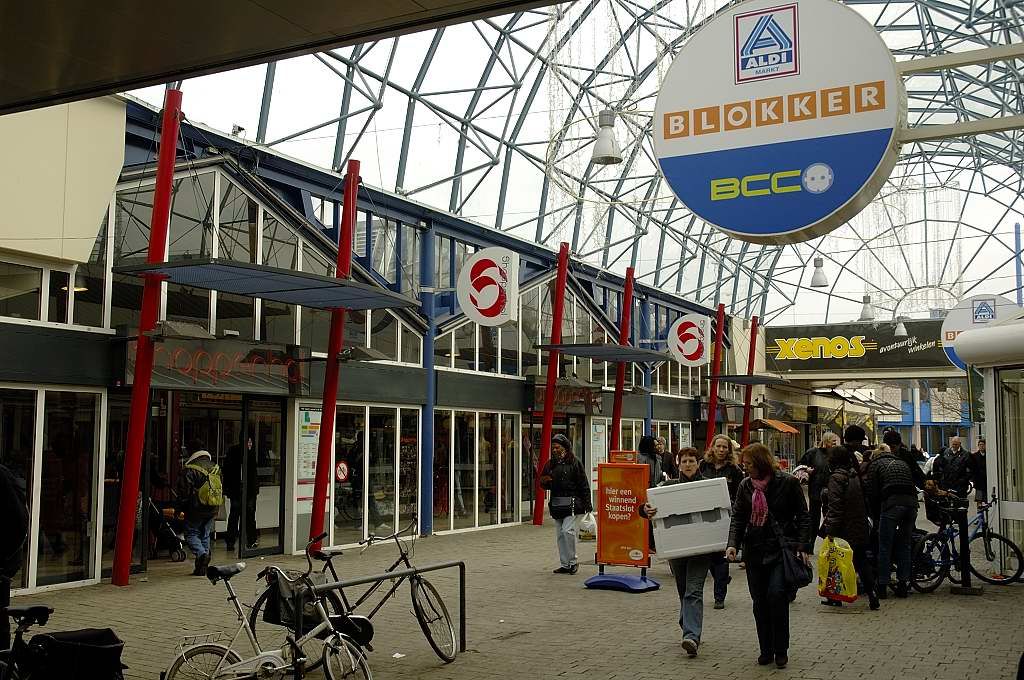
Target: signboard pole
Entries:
(144, 348)
(748, 396)
(713, 387)
(558, 304)
(620, 369)
(334, 343)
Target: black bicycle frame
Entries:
(403, 558)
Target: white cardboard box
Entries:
(693, 518)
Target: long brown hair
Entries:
(761, 460)
(709, 455)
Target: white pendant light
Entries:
(901, 328)
(818, 279)
(606, 149)
(867, 311)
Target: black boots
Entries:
(202, 562)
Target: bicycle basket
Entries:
(943, 509)
(280, 610)
(87, 654)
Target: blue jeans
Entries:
(565, 537)
(690, 573)
(720, 573)
(895, 534)
(197, 535)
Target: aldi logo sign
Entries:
(766, 44)
(984, 310)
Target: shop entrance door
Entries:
(262, 528)
(572, 426)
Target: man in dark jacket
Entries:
(817, 460)
(199, 517)
(565, 478)
(894, 441)
(953, 470)
(689, 572)
(647, 454)
(980, 473)
(892, 501)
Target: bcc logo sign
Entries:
(816, 178)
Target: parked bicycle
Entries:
(207, 657)
(994, 558)
(89, 654)
(427, 605)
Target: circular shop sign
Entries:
(974, 312)
(689, 340)
(777, 123)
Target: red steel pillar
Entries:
(558, 305)
(716, 361)
(144, 344)
(750, 388)
(325, 438)
(625, 318)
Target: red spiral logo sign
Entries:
(487, 278)
(686, 332)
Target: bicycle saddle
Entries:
(216, 573)
(325, 554)
(35, 614)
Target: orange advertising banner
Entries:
(622, 457)
(621, 531)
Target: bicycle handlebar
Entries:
(371, 539)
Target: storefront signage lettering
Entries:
(225, 365)
(567, 397)
(820, 348)
(855, 346)
(621, 531)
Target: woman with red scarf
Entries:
(766, 499)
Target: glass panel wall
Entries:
(235, 314)
(442, 470)
(465, 347)
(509, 338)
(384, 333)
(381, 475)
(20, 290)
(187, 304)
(17, 442)
(89, 282)
(67, 511)
(349, 444)
(487, 468)
(191, 229)
(464, 491)
(529, 330)
(408, 465)
(412, 346)
(239, 227)
(509, 466)
(316, 323)
(57, 305)
(488, 349)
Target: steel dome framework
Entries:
(495, 120)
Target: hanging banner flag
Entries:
(690, 340)
(621, 531)
(778, 121)
(488, 286)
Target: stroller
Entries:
(165, 533)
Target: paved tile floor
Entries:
(525, 622)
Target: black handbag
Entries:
(560, 503)
(796, 572)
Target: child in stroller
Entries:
(165, 532)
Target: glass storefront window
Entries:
(442, 469)
(408, 466)
(17, 439)
(188, 305)
(235, 313)
(464, 490)
(384, 333)
(21, 287)
(509, 465)
(57, 305)
(465, 346)
(66, 508)
(412, 346)
(487, 468)
(349, 444)
(90, 276)
(381, 473)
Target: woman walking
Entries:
(720, 461)
(846, 516)
(766, 500)
(565, 478)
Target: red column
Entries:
(713, 388)
(625, 317)
(557, 304)
(750, 388)
(144, 345)
(325, 438)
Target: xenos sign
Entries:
(802, 349)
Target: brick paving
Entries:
(525, 621)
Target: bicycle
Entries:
(69, 654)
(994, 559)
(428, 607)
(205, 657)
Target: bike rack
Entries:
(325, 588)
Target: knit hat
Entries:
(854, 434)
(893, 439)
(562, 441)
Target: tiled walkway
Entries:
(525, 622)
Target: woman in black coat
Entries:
(563, 475)
(846, 516)
(768, 494)
(720, 461)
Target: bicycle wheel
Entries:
(995, 559)
(271, 636)
(343, 660)
(433, 617)
(930, 565)
(8, 673)
(201, 662)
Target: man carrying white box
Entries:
(694, 525)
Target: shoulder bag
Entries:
(797, 572)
